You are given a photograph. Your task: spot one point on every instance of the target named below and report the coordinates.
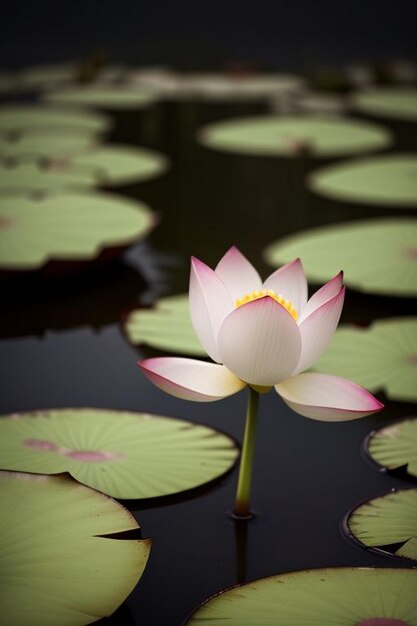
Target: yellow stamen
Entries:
(255, 295)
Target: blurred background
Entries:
(136, 134)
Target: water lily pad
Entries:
(67, 227)
(378, 256)
(36, 143)
(167, 327)
(284, 136)
(388, 520)
(395, 446)
(394, 102)
(118, 165)
(346, 596)
(58, 562)
(16, 118)
(95, 166)
(382, 356)
(385, 180)
(213, 86)
(104, 96)
(126, 455)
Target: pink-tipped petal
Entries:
(210, 302)
(317, 331)
(260, 342)
(290, 281)
(238, 274)
(190, 379)
(327, 398)
(323, 295)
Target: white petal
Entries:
(191, 379)
(260, 342)
(318, 329)
(238, 274)
(290, 281)
(210, 302)
(327, 398)
(324, 294)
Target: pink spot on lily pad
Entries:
(382, 621)
(41, 444)
(6, 221)
(412, 253)
(91, 456)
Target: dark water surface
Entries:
(61, 346)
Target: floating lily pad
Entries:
(383, 356)
(58, 562)
(397, 103)
(395, 446)
(284, 136)
(389, 520)
(17, 118)
(126, 455)
(35, 143)
(67, 227)
(46, 75)
(235, 86)
(346, 596)
(385, 180)
(98, 165)
(117, 165)
(167, 327)
(104, 96)
(378, 256)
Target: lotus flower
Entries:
(263, 335)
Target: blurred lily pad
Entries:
(95, 166)
(65, 227)
(36, 143)
(346, 596)
(390, 520)
(378, 256)
(167, 326)
(395, 446)
(126, 455)
(393, 102)
(382, 356)
(384, 180)
(287, 136)
(58, 561)
(17, 118)
(104, 96)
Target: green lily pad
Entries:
(104, 96)
(67, 227)
(378, 255)
(63, 75)
(58, 562)
(397, 103)
(283, 136)
(98, 165)
(213, 86)
(35, 143)
(346, 596)
(395, 446)
(17, 118)
(119, 165)
(385, 180)
(382, 356)
(167, 326)
(389, 519)
(47, 75)
(125, 455)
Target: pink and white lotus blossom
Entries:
(263, 335)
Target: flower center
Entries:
(255, 295)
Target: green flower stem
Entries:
(242, 505)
